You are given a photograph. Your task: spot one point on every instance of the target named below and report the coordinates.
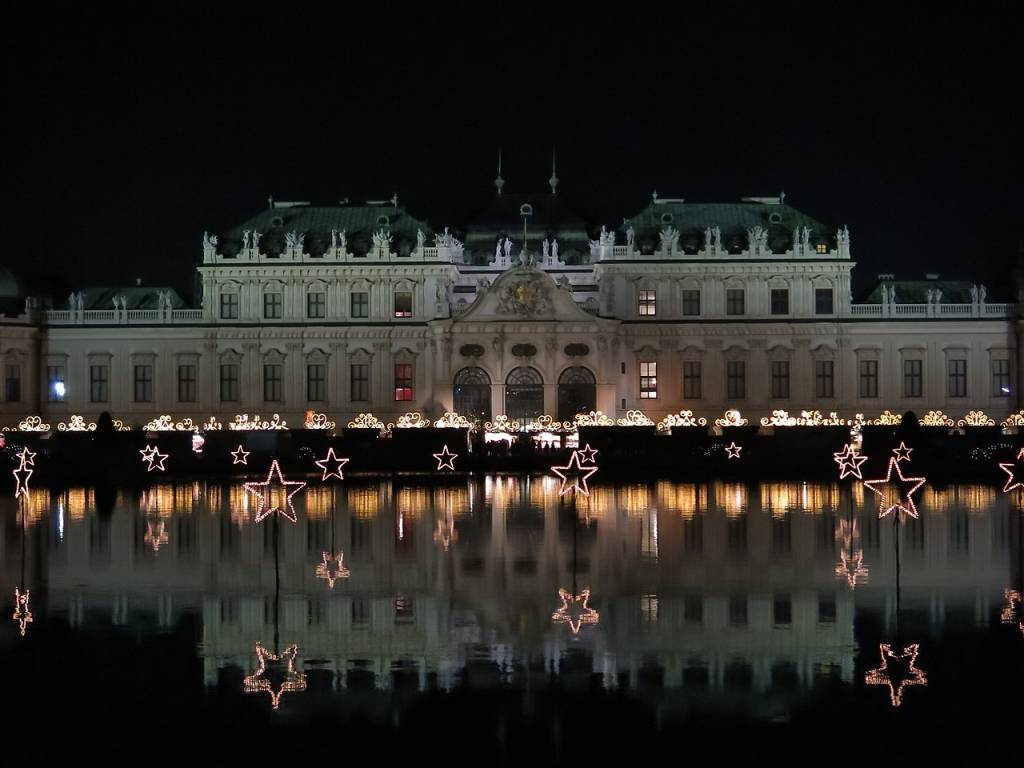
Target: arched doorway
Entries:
(577, 392)
(471, 394)
(524, 394)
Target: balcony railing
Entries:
(932, 310)
(119, 317)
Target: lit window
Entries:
(403, 304)
(648, 381)
(403, 381)
(55, 383)
(822, 248)
(648, 303)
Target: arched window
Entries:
(577, 392)
(471, 393)
(524, 394)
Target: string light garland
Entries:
(849, 462)
(902, 452)
(579, 476)
(445, 459)
(332, 568)
(261, 491)
(1013, 469)
(906, 488)
(240, 456)
(574, 610)
(283, 667)
(22, 613)
(733, 450)
(152, 457)
(884, 675)
(335, 471)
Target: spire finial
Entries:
(553, 181)
(782, 197)
(499, 182)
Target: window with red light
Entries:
(403, 381)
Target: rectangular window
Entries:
(691, 380)
(272, 382)
(691, 303)
(187, 383)
(12, 384)
(868, 378)
(648, 304)
(229, 306)
(957, 378)
(821, 248)
(229, 383)
(99, 383)
(912, 378)
(1000, 378)
(824, 378)
(780, 301)
(780, 379)
(359, 378)
(735, 379)
(735, 301)
(143, 383)
(403, 304)
(272, 306)
(782, 611)
(823, 304)
(648, 381)
(316, 382)
(360, 304)
(403, 381)
(316, 305)
(55, 383)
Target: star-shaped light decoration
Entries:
(27, 458)
(587, 454)
(896, 494)
(332, 568)
(733, 450)
(445, 459)
(152, 456)
(1011, 613)
(1014, 469)
(898, 678)
(902, 452)
(261, 491)
(22, 473)
(331, 459)
(22, 614)
(579, 476)
(156, 534)
(852, 568)
(849, 462)
(276, 674)
(574, 610)
(240, 456)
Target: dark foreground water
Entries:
(487, 620)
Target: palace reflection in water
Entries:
(713, 592)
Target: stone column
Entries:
(294, 377)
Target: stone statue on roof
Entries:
(554, 249)
(545, 249)
(669, 238)
(507, 248)
(256, 239)
(497, 250)
(805, 237)
(381, 239)
(707, 238)
(981, 294)
(246, 237)
(717, 234)
(291, 239)
(420, 239)
(630, 236)
(757, 236)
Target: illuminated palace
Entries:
(526, 310)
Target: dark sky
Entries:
(133, 136)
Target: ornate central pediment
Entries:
(524, 293)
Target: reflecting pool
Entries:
(489, 617)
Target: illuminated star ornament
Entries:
(276, 674)
(849, 462)
(852, 568)
(1013, 469)
(262, 492)
(579, 476)
(902, 452)
(587, 454)
(22, 614)
(896, 494)
(897, 671)
(445, 459)
(332, 568)
(153, 458)
(240, 456)
(23, 472)
(331, 459)
(733, 450)
(574, 610)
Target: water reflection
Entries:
(718, 591)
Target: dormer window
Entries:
(383, 221)
(822, 248)
(667, 218)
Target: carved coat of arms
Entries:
(524, 297)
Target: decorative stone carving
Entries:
(471, 350)
(578, 349)
(381, 240)
(757, 236)
(524, 350)
(668, 240)
(527, 296)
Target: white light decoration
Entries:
(331, 465)
(1011, 613)
(905, 672)
(634, 418)
(905, 489)
(936, 419)
(156, 534)
(240, 456)
(579, 476)
(33, 424)
(242, 422)
(292, 680)
(23, 472)
(593, 419)
(410, 421)
(733, 450)
(332, 568)
(160, 424)
(587, 454)
(574, 610)
(976, 419)
(849, 462)
(902, 452)
(1013, 469)
(1014, 420)
(316, 420)
(887, 419)
(450, 420)
(22, 613)
(76, 424)
(731, 418)
(152, 457)
(366, 421)
(681, 419)
(212, 425)
(809, 419)
(852, 568)
(198, 441)
(445, 459)
(261, 491)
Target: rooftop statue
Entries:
(554, 249)
(806, 237)
(381, 239)
(420, 240)
(669, 238)
(630, 236)
(256, 239)
(545, 249)
(246, 238)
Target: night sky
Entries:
(133, 136)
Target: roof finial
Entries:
(499, 182)
(553, 181)
(782, 197)
(654, 196)
(270, 201)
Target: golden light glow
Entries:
(316, 420)
(156, 534)
(22, 613)
(242, 422)
(681, 419)
(936, 419)
(450, 420)
(574, 610)
(976, 419)
(281, 672)
(902, 675)
(366, 421)
(76, 424)
(731, 498)
(634, 418)
(445, 459)
(33, 424)
(1011, 613)
(731, 418)
(332, 568)
(593, 419)
(319, 501)
(262, 491)
(363, 502)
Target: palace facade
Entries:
(524, 311)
